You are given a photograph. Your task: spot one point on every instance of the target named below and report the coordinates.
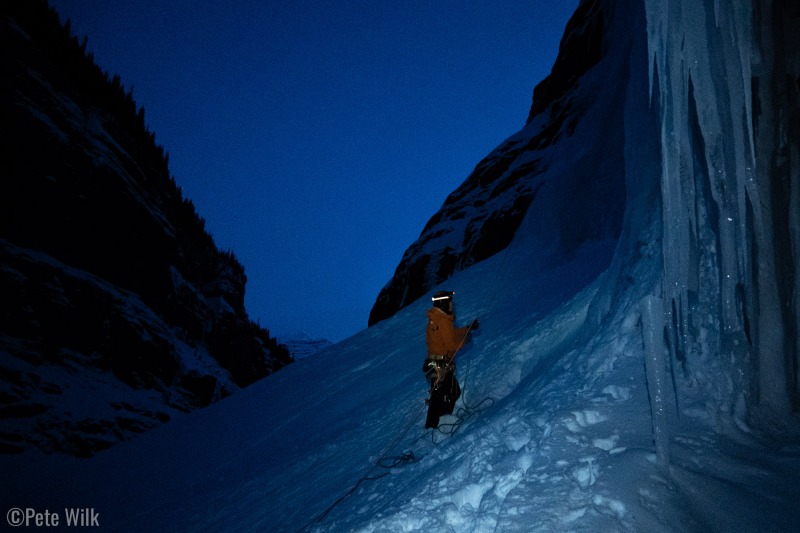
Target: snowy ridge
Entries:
(538, 168)
(300, 345)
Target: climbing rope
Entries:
(464, 413)
(467, 410)
(384, 461)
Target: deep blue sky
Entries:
(316, 138)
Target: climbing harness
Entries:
(463, 414)
(467, 410)
(436, 370)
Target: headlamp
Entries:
(443, 296)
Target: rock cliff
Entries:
(118, 310)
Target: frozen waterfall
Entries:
(724, 78)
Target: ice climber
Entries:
(444, 340)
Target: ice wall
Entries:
(729, 253)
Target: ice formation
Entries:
(724, 75)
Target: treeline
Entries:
(91, 84)
(92, 87)
(72, 68)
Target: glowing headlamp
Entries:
(448, 296)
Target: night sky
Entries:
(316, 138)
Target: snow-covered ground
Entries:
(555, 434)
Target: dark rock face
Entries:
(481, 217)
(118, 310)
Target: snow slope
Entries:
(565, 444)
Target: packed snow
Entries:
(555, 433)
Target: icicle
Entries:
(775, 322)
(702, 50)
(652, 310)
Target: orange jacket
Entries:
(442, 336)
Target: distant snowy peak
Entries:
(300, 345)
(480, 218)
